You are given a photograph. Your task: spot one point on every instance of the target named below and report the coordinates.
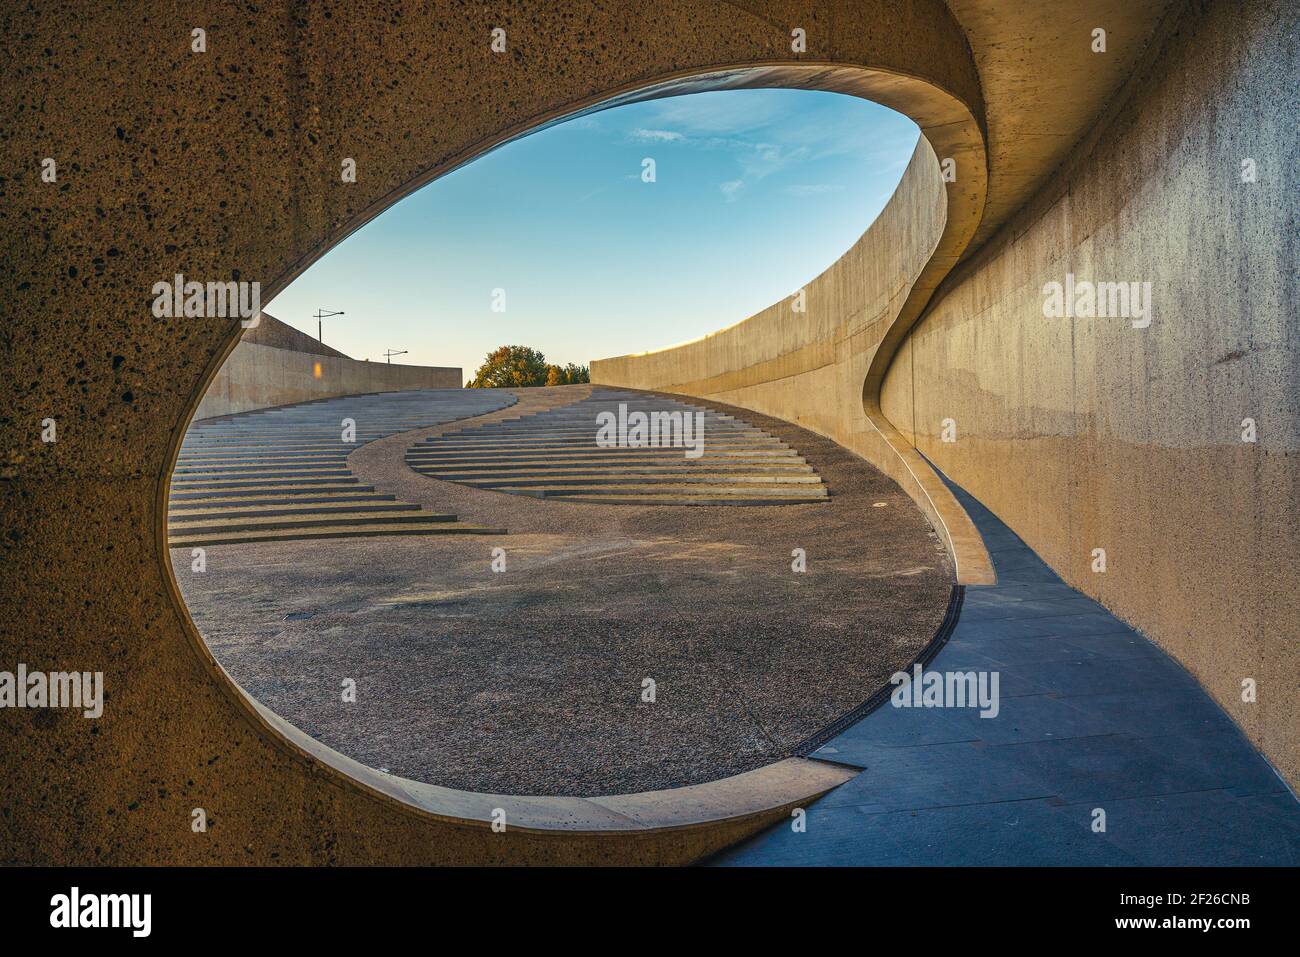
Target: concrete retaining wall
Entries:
(270, 331)
(257, 376)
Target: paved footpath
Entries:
(1093, 716)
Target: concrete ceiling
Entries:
(1043, 85)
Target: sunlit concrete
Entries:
(287, 95)
(1104, 752)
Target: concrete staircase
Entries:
(281, 474)
(555, 455)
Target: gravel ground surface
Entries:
(530, 681)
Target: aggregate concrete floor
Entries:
(531, 680)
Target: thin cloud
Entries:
(656, 136)
(813, 189)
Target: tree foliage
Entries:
(571, 374)
(510, 367)
(515, 367)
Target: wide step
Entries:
(555, 455)
(282, 475)
(344, 531)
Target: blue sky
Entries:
(756, 192)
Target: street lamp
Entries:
(390, 353)
(323, 314)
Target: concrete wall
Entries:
(1091, 434)
(1084, 434)
(256, 377)
(797, 365)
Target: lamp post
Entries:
(324, 314)
(390, 353)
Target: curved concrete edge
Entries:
(752, 800)
(1099, 434)
(671, 827)
(900, 460)
(178, 718)
(1084, 721)
(674, 826)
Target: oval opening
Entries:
(561, 589)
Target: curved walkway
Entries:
(1093, 718)
(282, 473)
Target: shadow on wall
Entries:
(267, 204)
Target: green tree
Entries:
(510, 367)
(514, 367)
(575, 374)
(570, 374)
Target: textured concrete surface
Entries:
(270, 331)
(1093, 717)
(226, 164)
(529, 680)
(818, 367)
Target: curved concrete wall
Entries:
(257, 377)
(1090, 433)
(810, 366)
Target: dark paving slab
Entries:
(995, 834)
(1090, 715)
